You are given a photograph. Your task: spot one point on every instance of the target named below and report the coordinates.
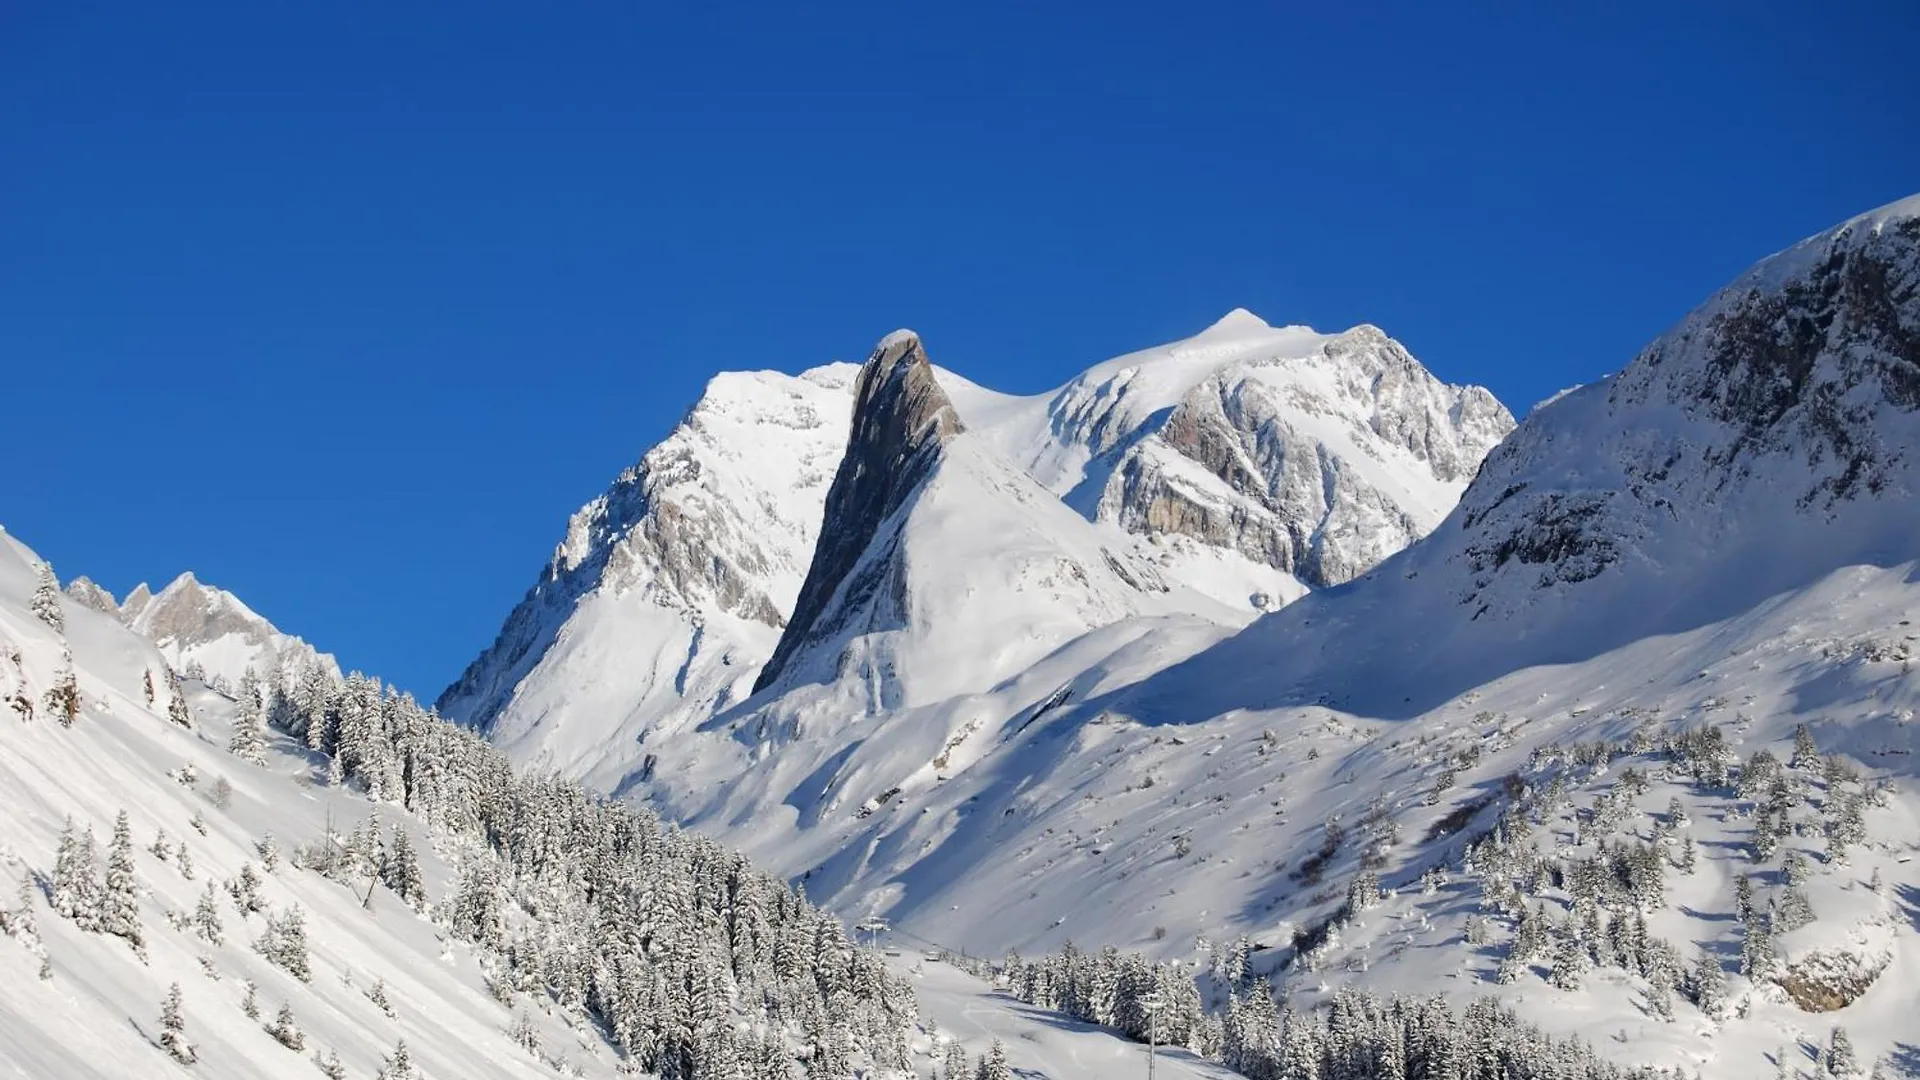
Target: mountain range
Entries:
(1268, 654)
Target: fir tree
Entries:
(177, 701)
(1793, 867)
(250, 1002)
(954, 1065)
(45, 604)
(1569, 963)
(245, 891)
(1806, 755)
(400, 870)
(183, 859)
(285, 942)
(285, 1030)
(1846, 826)
(248, 742)
(399, 1066)
(1796, 910)
(76, 886)
(1709, 985)
(525, 1033)
(206, 917)
(62, 699)
(378, 995)
(120, 905)
(173, 1029)
(1842, 1060)
(994, 1065)
(329, 1065)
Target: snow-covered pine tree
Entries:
(1795, 910)
(400, 870)
(177, 710)
(120, 903)
(206, 917)
(954, 1065)
(250, 1001)
(329, 1065)
(62, 699)
(245, 891)
(1846, 825)
(285, 1030)
(1569, 963)
(173, 1029)
(378, 995)
(285, 942)
(1709, 985)
(525, 1033)
(248, 742)
(1806, 754)
(1841, 1058)
(399, 1065)
(993, 1066)
(45, 604)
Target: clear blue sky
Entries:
(347, 306)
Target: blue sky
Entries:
(347, 306)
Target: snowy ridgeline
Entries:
(360, 889)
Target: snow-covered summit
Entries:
(1766, 440)
(196, 625)
(1312, 455)
(670, 592)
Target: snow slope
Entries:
(97, 1014)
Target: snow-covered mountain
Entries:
(1218, 476)
(206, 630)
(669, 591)
(1655, 577)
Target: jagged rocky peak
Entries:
(684, 569)
(1791, 397)
(83, 590)
(136, 602)
(901, 420)
(1319, 454)
(194, 623)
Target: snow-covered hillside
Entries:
(1224, 475)
(366, 891)
(1667, 571)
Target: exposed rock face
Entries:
(1823, 981)
(1797, 388)
(1326, 463)
(83, 590)
(901, 420)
